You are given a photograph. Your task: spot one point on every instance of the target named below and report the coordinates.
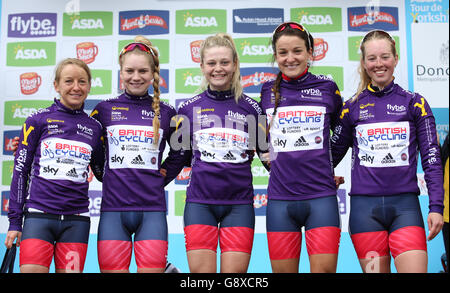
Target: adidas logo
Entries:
(138, 161)
(229, 156)
(301, 142)
(389, 159)
(72, 173)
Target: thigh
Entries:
(368, 234)
(323, 227)
(38, 238)
(151, 242)
(114, 243)
(71, 246)
(407, 231)
(237, 229)
(200, 227)
(283, 233)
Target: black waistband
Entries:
(57, 217)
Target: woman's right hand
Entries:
(11, 236)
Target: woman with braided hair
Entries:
(301, 108)
(136, 127)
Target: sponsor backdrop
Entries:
(35, 36)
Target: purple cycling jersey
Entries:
(385, 129)
(299, 136)
(51, 163)
(131, 180)
(220, 132)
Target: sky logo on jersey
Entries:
(254, 77)
(144, 22)
(31, 54)
(187, 80)
(16, 112)
(257, 20)
(88, 23)
(318, 19)
(201, 21)
(254, 50)
(8, 137)
(372, 17)
(260, 199)
(32, 25)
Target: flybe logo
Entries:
(319, 19)
(31, 25)
(88, 23)
(254, 50)
(31, 54)
(187, 80)
(201, 21)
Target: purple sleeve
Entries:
(429, 152)
(179, 141)
(341, 139)
(28, 142)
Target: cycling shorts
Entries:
(380, 225)
(63, 236)
(285, 219)
(230, 225)
(115, 232)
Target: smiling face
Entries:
(73, 86)
(292, 55)
(218, 67)
(379, 62)
(136, 74)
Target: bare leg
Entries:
(285, 265)
(323, 263)
(202, 261)
(377, 264)
(31, 268)
(234, 262)
(412, 261)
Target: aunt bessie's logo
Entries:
(320, 49)
(195, 50)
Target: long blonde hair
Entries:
(223, 40)
(153, 59)
(364, 78)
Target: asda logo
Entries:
(88, 23)
(31, 54)
(254, 50)
(334, 73)
(162, 46)
(354, 51)
(16, 112)
(187, 80)
(7, 171)
(318, 19)
(260, 174)
(101, 82)
(201, 21)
